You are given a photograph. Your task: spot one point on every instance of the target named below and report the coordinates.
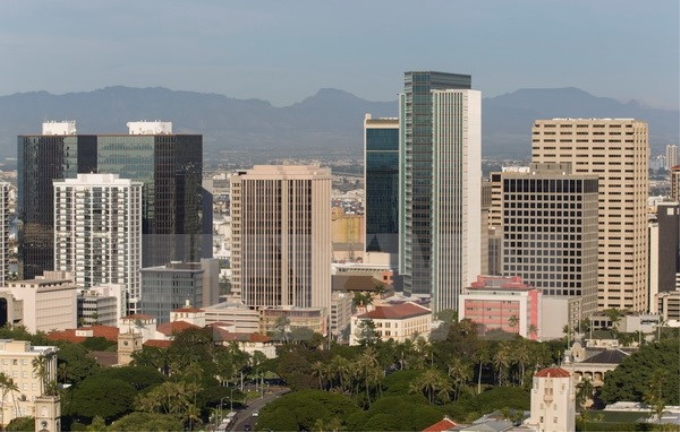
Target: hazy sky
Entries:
(283, 51)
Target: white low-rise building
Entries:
(399, 322)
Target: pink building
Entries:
(503, 303)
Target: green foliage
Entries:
(104, 397)
(23, 424)
(303, 409)
(97, 344)
(512, 398)
(398, 383)
(139, 377)
(396, 413)
(631, 379)
(151, 422)
(74, 364)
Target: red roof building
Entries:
(398, 322)
(442, 426)
(552, 372)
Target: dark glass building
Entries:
(381, 180)
(416, 117)
(169, 165)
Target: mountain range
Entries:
(326, 125)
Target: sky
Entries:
(285, 51)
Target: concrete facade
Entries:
(617, 150)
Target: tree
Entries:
(434, 384)
(631, 379)
(107, 398)
(39, 364)
(151, 422)
(7, 386)
(460, 372)
(366, 334)
(513, 321)
(654, 396)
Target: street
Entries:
(245, 416)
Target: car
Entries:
(256, 413)
(246, 428)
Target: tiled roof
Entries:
(104, 358)
(354, 283)
(226, 336)
(107, 332)
(441, 426)
(552, 372)
(171, 328)
(158, 343)
(607, 356)
(400, 311)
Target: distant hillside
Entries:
(507, 119)
(325, 125)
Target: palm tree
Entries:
(433, 383)
(501, 361)
(522, 354)
(513, 321)
(319, 371)
(40, 370)
(460, 372)
(7, 385)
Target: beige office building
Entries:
(617, 151)
(281, 236)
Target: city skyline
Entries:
(247, 50)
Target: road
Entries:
(245, 416)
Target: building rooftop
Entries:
(607, 356)
(158, 343)
(552, 372)
(441, 426)
(399, 311)
(172, 328)
(355, 283)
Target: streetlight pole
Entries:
(221, 403)
(231, 400)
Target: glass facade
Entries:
(170, 167)
(416, 164)
(382, 188)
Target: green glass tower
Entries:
(416, 160)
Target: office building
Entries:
(425, 165)
(281, 236)
(16, 362)
(169, 166)
(98, 231)
(44, 304)
(664, 248)
(675, 183)
(550, 227)
(169, 287)
(617, 151)
(503, 303)
(4, 231)
(671, 156)
(102, 305)
(398, 322)
(381, 182)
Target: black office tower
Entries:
(169, 165)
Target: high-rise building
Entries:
(416, 161)
(671, 156)
(550, 230)
(169, 165)
(617, 151)
(664, 246)
(98, 231)
(281, 236)
(675, 183)
(4, 231)
(168, 287)
(381, 182)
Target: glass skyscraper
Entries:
(170, 166)
(381, 180)
(416, 150)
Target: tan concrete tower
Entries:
(617, 151)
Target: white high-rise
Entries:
(456, 193)
(98, 231)
(671, 156)
(281, 236)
